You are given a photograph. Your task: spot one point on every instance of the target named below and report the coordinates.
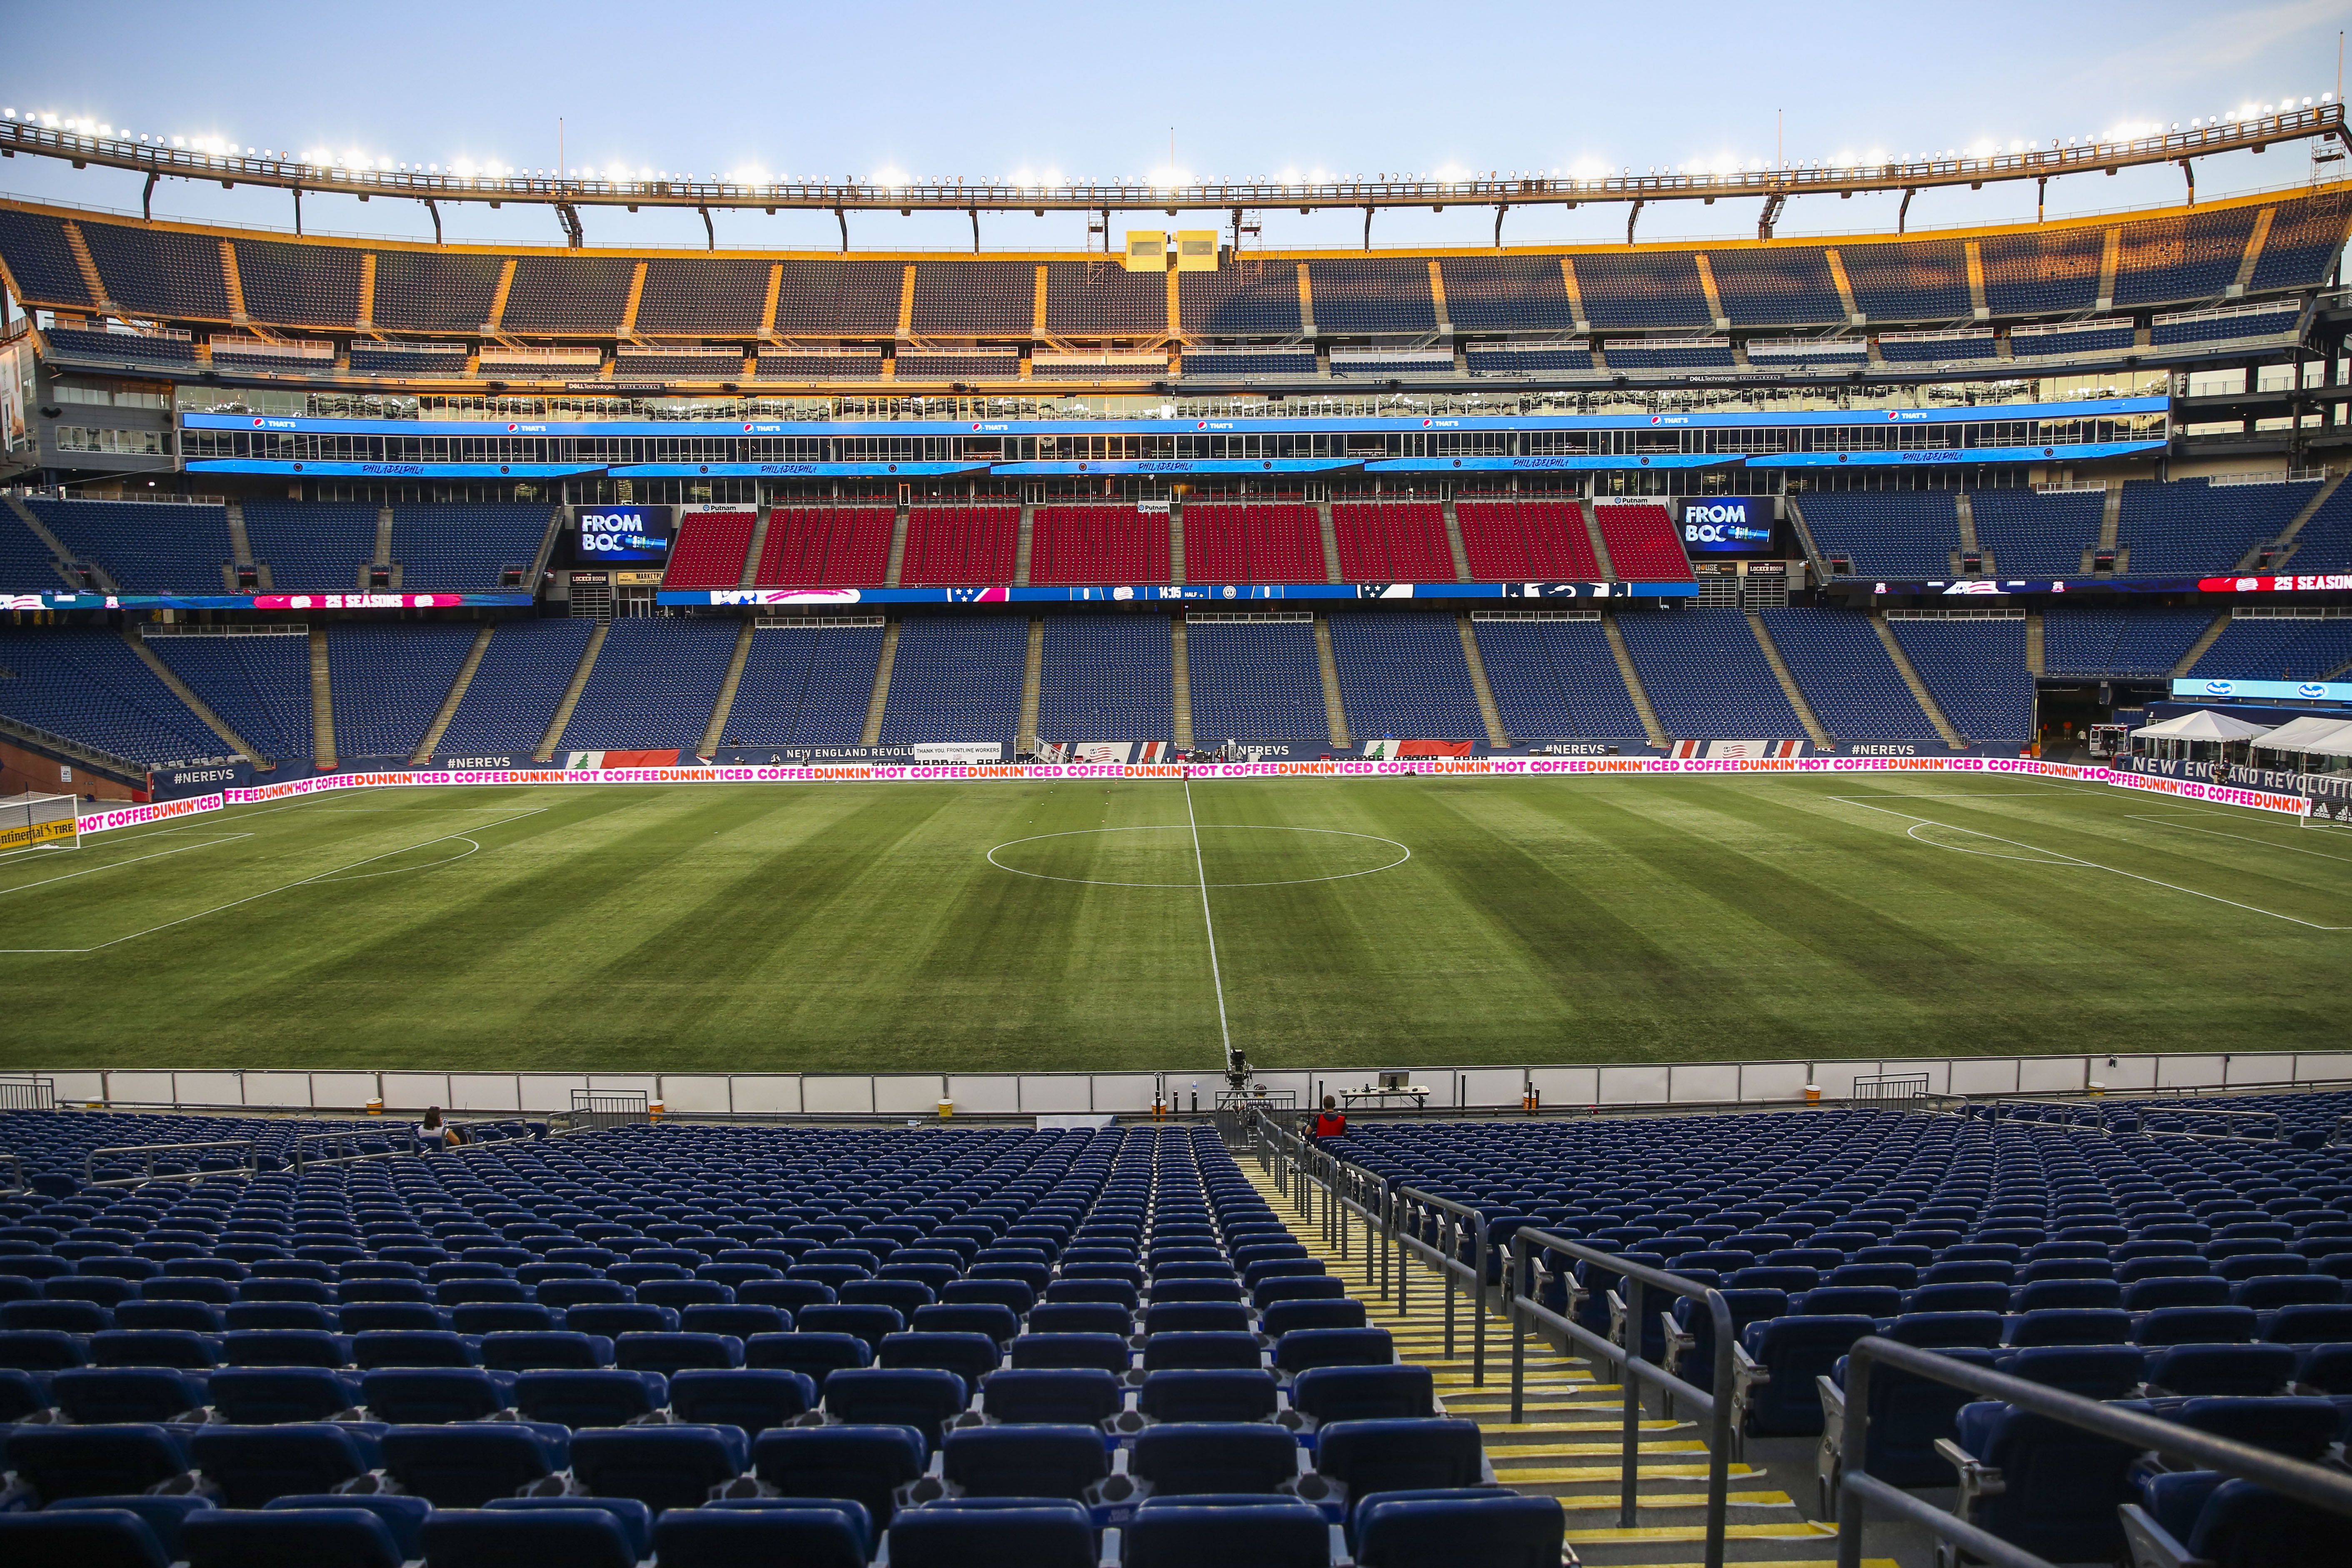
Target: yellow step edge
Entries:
(1578, 1425)
(1808, 1530)
(1534, 1452)
(1571, 1475)
(1683, 1500)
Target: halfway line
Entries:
(1215, 978)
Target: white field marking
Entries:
(1988, 853)
(93, 870)
(36, 852)
(267, 892)
(1177, 827)
(471, 847)
(2059, 856)
(1216, 979)
(2242, 839)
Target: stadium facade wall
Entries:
(1617, 1086)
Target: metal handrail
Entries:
(2306, 1483)
(90, 1161)
(2103, 1115)
(1528, 1243)
(1448, 1262)
(352, 1134)
(20, 1186)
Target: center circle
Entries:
(1165, 856)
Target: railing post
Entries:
(1719, 1456)
(1478, 1311)
(1403, 1209)
(1519, 1340)
(1629, 1461)
(1452, 1231)
(1853, 1459)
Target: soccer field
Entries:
(999, 926)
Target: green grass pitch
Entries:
(1405, 920)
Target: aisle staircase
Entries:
(1569, 1444)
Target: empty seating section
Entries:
(1393, 541)
(834, 544)
(2262, 647)
(1097, 543)
(311, 547)
(259, 686)
(839, 299)
(466, 549)
(1777, 286)
(434, 291)
(148, 547)
(1975, 670)
(26, 563)
(513, 695)
(1938, 348)
(1256, 681)
(812, 1405)
(1520, 359)
(41, 259)
(2220, 1268)
(1083, 301)
(2029, 534)
(711, 551)
(2183, 258)
(976, 298)
(655, 684)
(1707, 677)
(582, 295)
(1644, 290)
(2305, 240)
(685, 299)
(2324, 544)
(120, 347)
(802, 364)
(157, 273)
(307, 285)
(1403, 676)
(1496, 293)
(1537, 538)
(2229, 322)
(2047, 273)
(1556, 681)
(1371, 294)
(2104, 643)
(676, 365)
(1884, 533)
(1106, 678)
(1630, 354)
(2187, 527)
(388, 681)
(953, 543)
(1246, 300)
(91, 688)
(1253, 542)
(1847, 679)
(1232, 363)
(1915, 281)
(939, 364)
(1640, 539)
(805, 686)
(957, 679)
(2088, 337)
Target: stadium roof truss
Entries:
(1773, 188)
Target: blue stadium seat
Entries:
(863, 1464)
(998, 1533)
(802, 1531)
(60, 1462)
(463, 1467)
(253, 1464)
(94, 1538)
(661, 1466)
(1277, 1532)
(577, 1537)
(290, 1538)
(1434, 1529)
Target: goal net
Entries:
(31, 821)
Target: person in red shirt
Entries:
(1330, 1123)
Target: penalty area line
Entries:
(329, 875)
(2060, 858)
(1216, 978)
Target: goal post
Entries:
(32, 821)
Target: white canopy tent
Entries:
(2311, 737)
(2202, 725)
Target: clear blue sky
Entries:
(1091, 91)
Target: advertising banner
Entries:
(618, 533)
(25, 835)
(2265, 691)
(1727, 525)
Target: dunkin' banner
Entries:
(971, 773)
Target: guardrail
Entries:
(2321, 1488)
(1528, 1246)
(16, 1164)
(2129, 1116)
(248, 1147)
(26, 1093)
